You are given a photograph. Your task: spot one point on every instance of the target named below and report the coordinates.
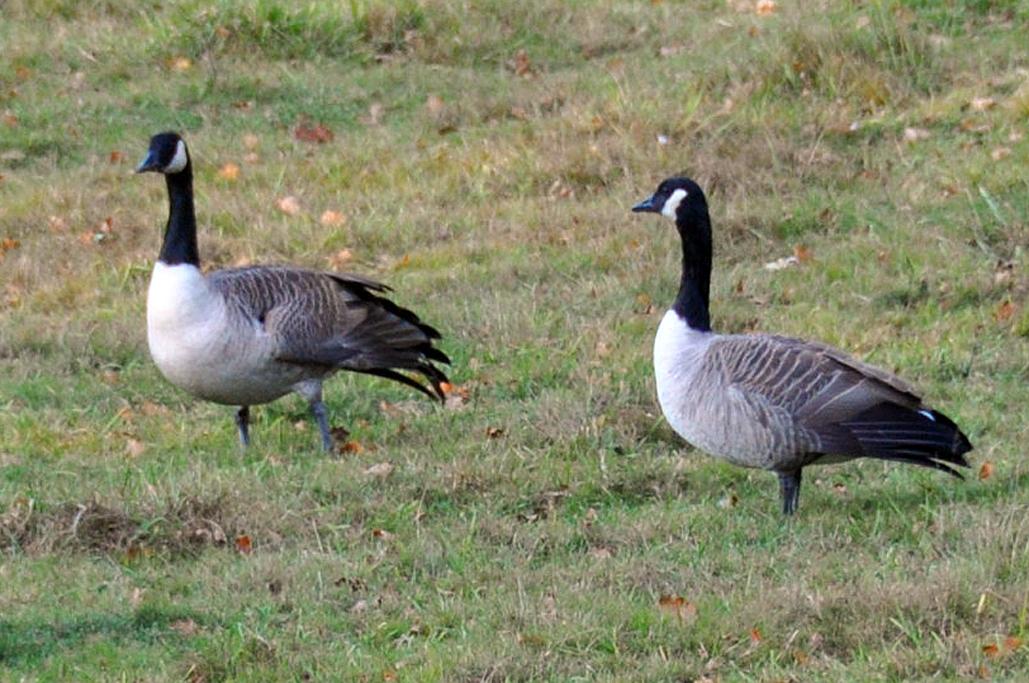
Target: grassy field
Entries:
(483, 159)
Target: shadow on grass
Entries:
(28, 642)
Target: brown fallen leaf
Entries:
(149, 408)
(521, 64)
(317, 133)
(185, 627)
(9, 119)
(382, 534)
(1000, 153)
(134, 447)
(677, 606)
(332, 219)
(250, 141)
(434, 105)
(180, 64)
(982, 103)
(802, 253)
(985, 470)
(115, 157)
(380, 470)
(1012, 643)
(455, 397)
(351, 447)
(764, 8)
(244, 545)
(494, 432)
(755, 636)
(340, 259)
(991, 650)
(229, 172)
(288, 205)
(1004, 311)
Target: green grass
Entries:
(539, 553)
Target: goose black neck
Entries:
(691, 304)
(180, 236)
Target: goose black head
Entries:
(678, 199)
(167, 155)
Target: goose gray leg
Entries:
(311, 389)
(243, 425)
(789, 490)
(321, 416)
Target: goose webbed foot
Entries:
(321, 416)
(789, 490)
(243, 425)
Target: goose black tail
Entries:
(923, 437)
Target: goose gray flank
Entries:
(247, 336)
(777, 403)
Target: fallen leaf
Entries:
(982, 103)
(985, 470)
(185, 627)
(352, 447)
(800, 657)
(755, 636)
(1012, 643)
(380, 470)
(10, 120)
(802, 253)
(644, 304)
(8, 244)
(134, 447)
(115, 157)
(764, 8)
(340, 259)
(229, 172)
(289, 205)
(1000, 153)
(521, 64)
(250, 141)
(244, 545)
(677, 606)
(456, 397)
(780, 264)
(1004, 311)
(839, 488)
(180, 64)
(332, 219)
(915, 134)
(434, 105)
(316, 133)
(991, 650)
(494, 432)
(382, 534)
(149, 408)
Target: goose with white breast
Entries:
(777, 403)
(247, 336)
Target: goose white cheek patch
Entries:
(672, 203)
(178, 161)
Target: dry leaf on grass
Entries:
(340, 259)
(985, 470)
(380, 470)
(915, 134)
(229, 171)
(780, 264)
(315, 133)
(250, 141)
(1004, 311)
(1000, 153)
(244, 546)
(185, 627)
(180, 64)
(802, 253)
(764, 8)
(332, 219)
(115, 157)
(677, 606)
(982, 103)
(289, 205)
(134, 447)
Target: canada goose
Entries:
(775, 403)
(246, 336)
